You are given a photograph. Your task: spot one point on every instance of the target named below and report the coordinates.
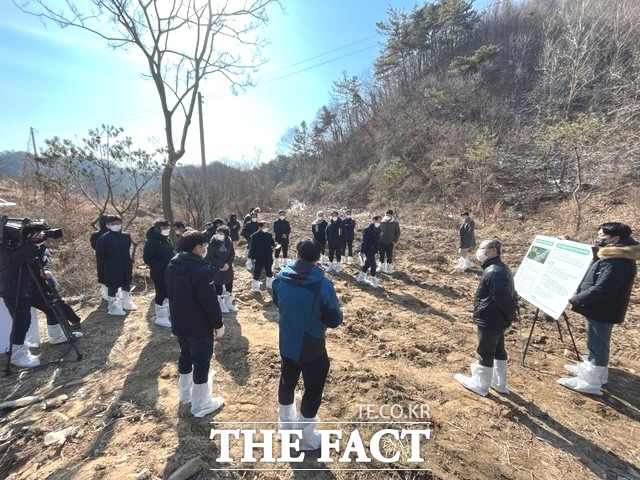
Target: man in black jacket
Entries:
(603, 298)
(158, 251)
(495, 307)
(334, 234)
(467, 240)
(281, 231)
(261, 254)
(319, 231)
(93, 239)
(349, 225)
(196, 320)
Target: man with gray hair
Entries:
(495, 307)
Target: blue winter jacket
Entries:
(308, 305)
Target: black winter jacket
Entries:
(467, 233)
(10, 262)
(495, 305)
(603, 294)
(262, 245)
(370, 239)
(249, 229)
(115, 266)
(157, 253)
(282, 230)
(349, 225)
(335, 233)
(234, 228)
(195, 311)
(318, 229)
(219, 253)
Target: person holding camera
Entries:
(20, 293)
(115, 265)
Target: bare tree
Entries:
(183, 41)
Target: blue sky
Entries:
(62, 82)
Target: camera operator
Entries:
(20, 292)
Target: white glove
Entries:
(249, 264)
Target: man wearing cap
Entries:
(389, 235)
(318, 229)
(334, 234)
(370, 245)
(281, 230)
(349, 225)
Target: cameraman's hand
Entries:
(218, 333)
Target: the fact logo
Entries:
(360, 442)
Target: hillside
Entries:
(400, 344)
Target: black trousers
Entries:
(370, 262)
(195, 355)
(284, 246)
(260, 264)
(227, 286)
(112, 292)
(347, 245)
(334, 251)
(161, 289)
(314, 377)
(21, 307)
(490, 346)
(386, 251)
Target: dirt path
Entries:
(400, 344)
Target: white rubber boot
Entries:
(162, 317)
(349, 260)
(329, 267)
(276, 263)
(249, 264)
(573, 368)
(255, 286)
(389, 268)
(589, 379)
(21, 357)
(185, 384)
(361, 277)
(228, 300)
(202, 403)
(165, 304)
(382, 267)
(127, 301)
(269, 282)
(104, 292)
(479, 380)
(499, 377)
(374, 282)
(324, 259)
(223, 304)
(343, 260)
(338, 267)
(56, 334)
(287, 417)
(114, 308)
(310, 438)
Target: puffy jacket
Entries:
(262, 245)
(219, 253)
(319, 229)
(193, 302)
(157, 253)
(93, 239)
(282, 230)
(496, 302)
(603, 294)
(467, 233)
(389, 231)
(335, 233)
(370, 239)
(308, 305)
(115, 266)
(10, 262)
(249, 229)
(234, 228)
(349, 225)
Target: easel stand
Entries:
(566, 320)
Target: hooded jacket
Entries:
(193, 302)
(219, 253)
(157, 253)
(389, 231)
(319, 230)
(234, 228)
(262, 245)
(335, 233)
(496, 302)
(115, 266)
(308, 305)
(603, 294)
(370, 237)
(249, 229)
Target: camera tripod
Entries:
(54, 302)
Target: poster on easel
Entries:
(551, 271)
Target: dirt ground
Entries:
(399, 345)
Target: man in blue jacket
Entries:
(495, 307)
(603, 298)
(196, 320)
(308, 305)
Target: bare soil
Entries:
(399, 344)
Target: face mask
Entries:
(601, 241)
(265, 229)
(334, 218)
(348, 216)
(481, 255)
(254, 219)
(165, 232)
(387, 218)
(220, 237)
(115, 228)
(281, 217)
(377, 224)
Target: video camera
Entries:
(15, 232)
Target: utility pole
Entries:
(35, 150)
(205, 193)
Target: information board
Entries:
(551, 272)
